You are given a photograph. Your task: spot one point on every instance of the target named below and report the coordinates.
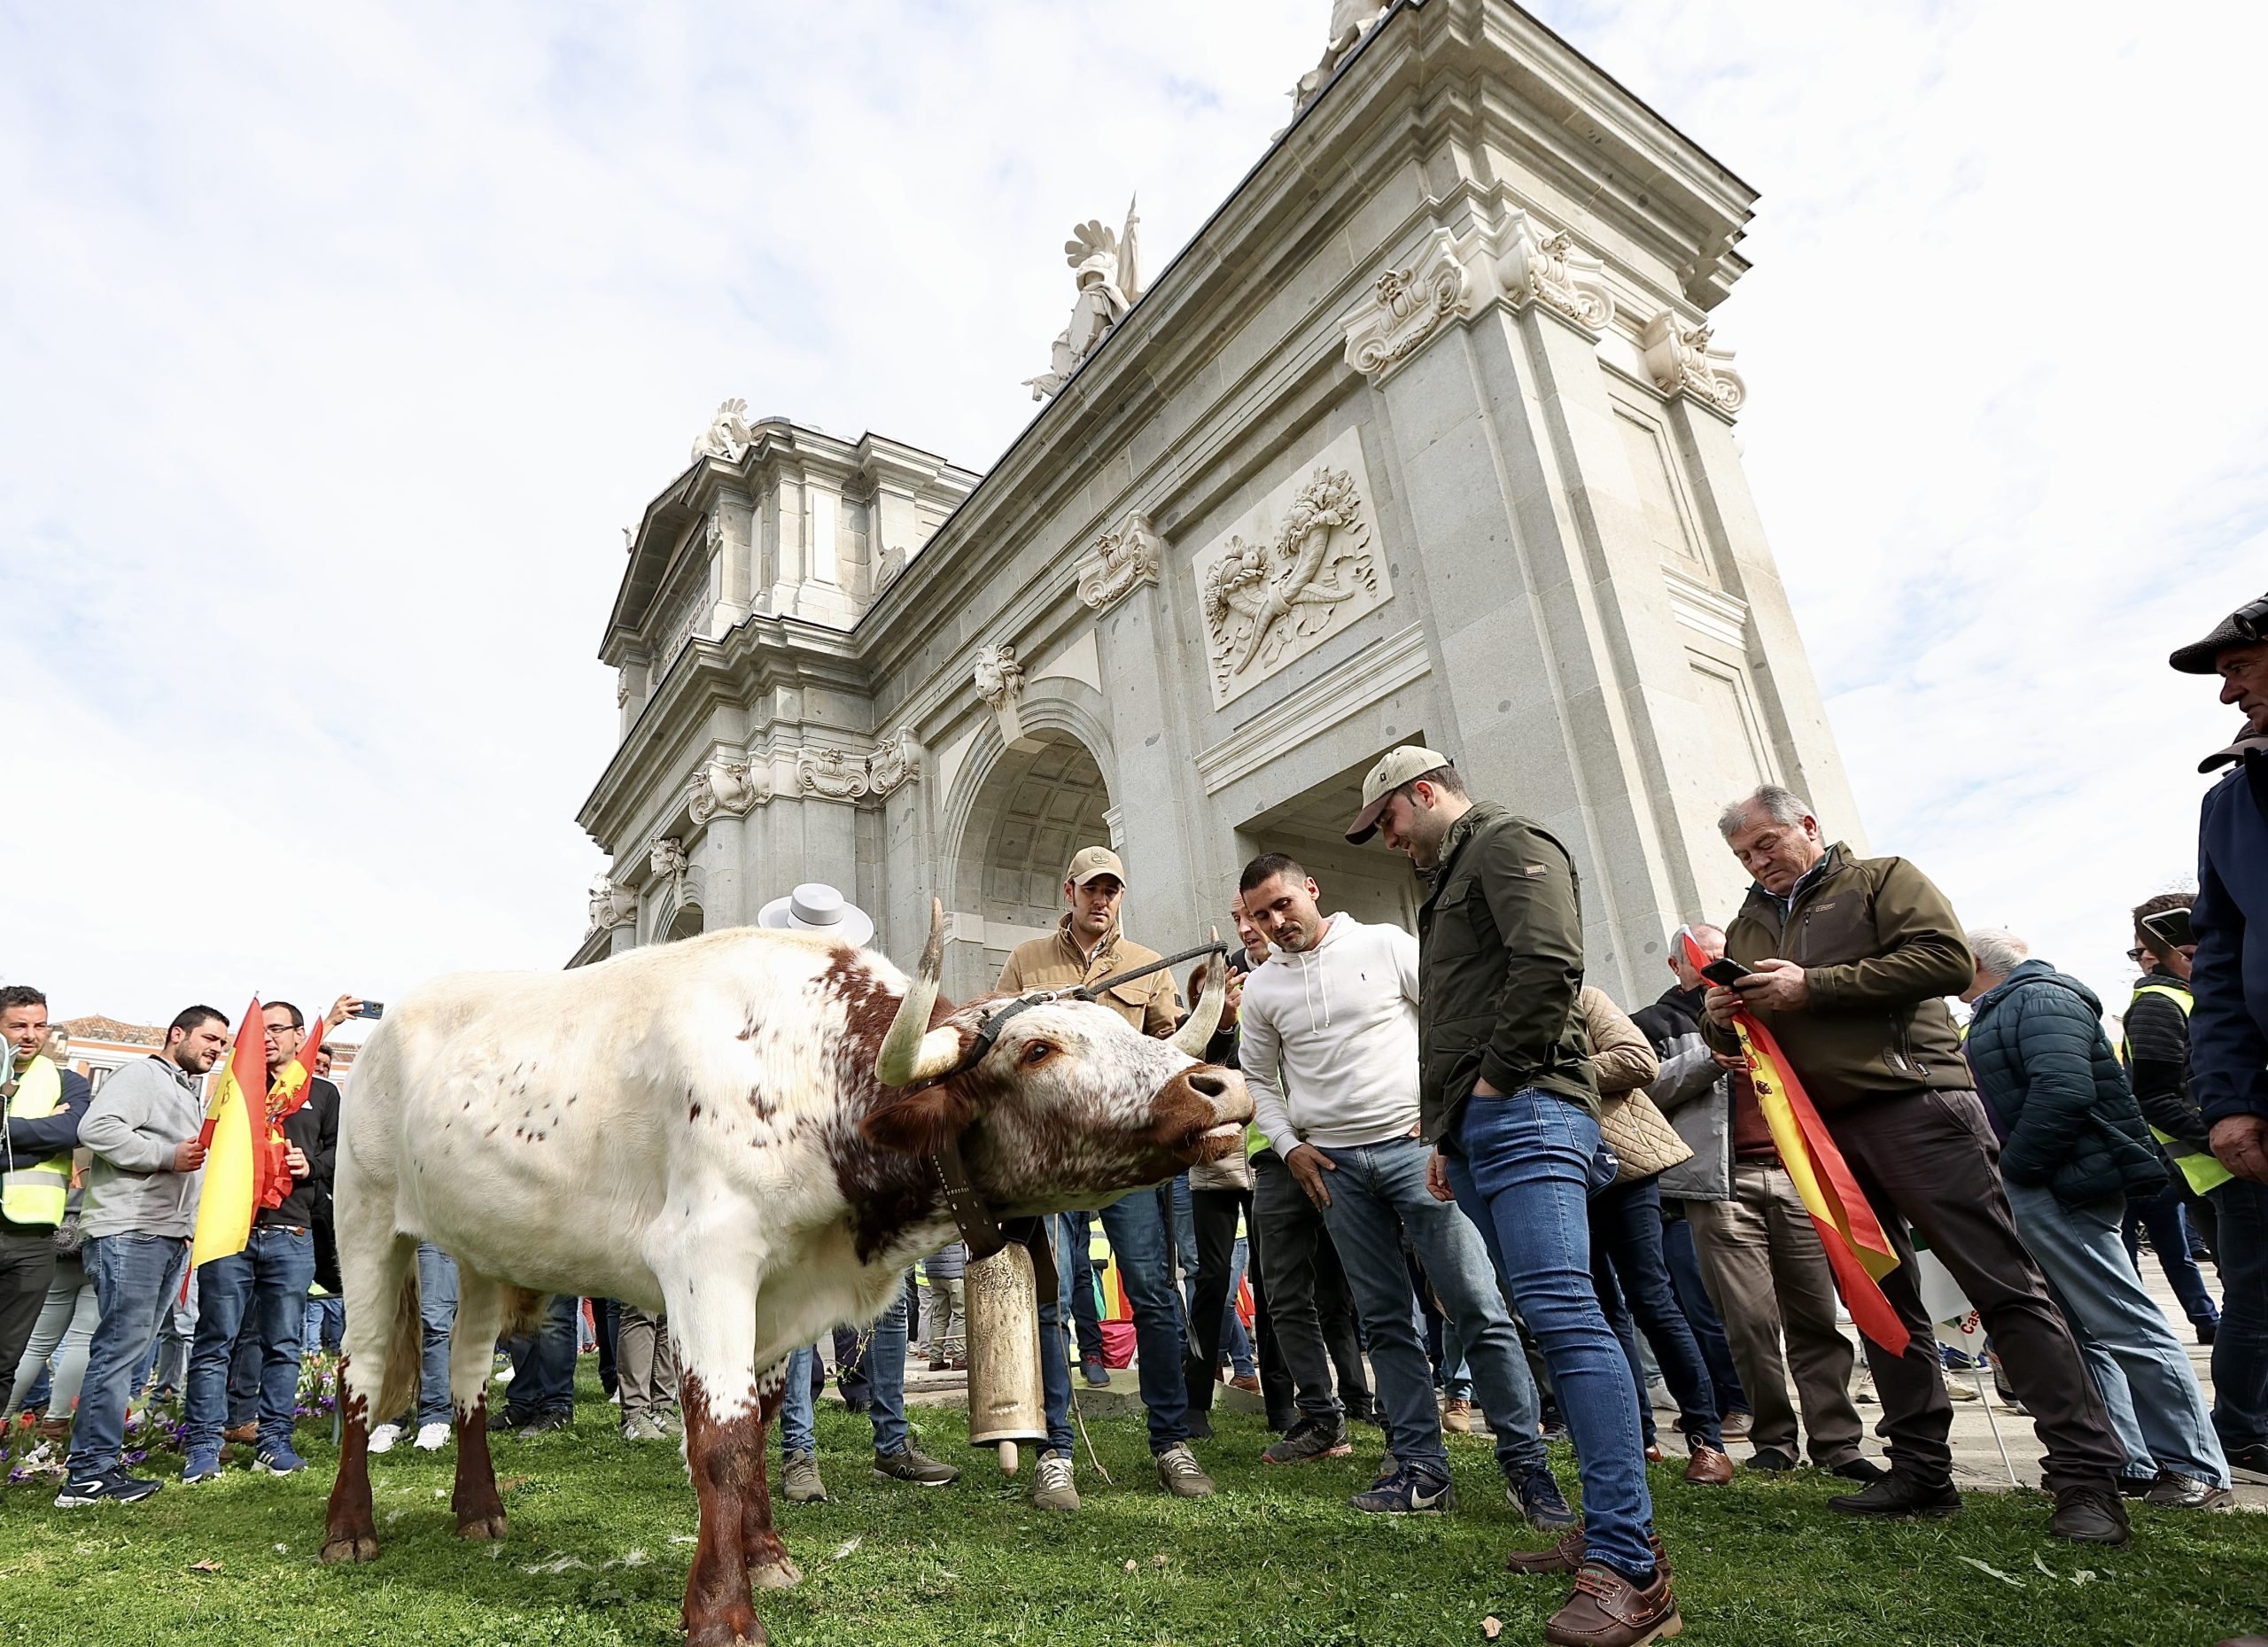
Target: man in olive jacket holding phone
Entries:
(1849, 961)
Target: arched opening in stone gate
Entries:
(1038, 804)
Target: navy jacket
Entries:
(2228, 1032)
(31, 1139)
(2069, 1120)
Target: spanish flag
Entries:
(1857, 1250)
(243, 1134)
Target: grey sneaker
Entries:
(644, 1426)
(1179, 1474)
(906, 1464)
(1053, 1490)
(799, 1480)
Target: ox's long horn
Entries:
(912, 1051)
(1192, 1036)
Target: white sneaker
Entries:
(1053, 1490)
(383, 1437)
(433, 1437)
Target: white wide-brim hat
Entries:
(817, 908)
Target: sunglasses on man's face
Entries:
(2136, 954)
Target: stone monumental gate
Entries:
(1425, 436)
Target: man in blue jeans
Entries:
(437, 1313)
(1330, 1052)
(541, 1398)
(139, 1212)
(261, 1294)
(896, 1457)
(1507, 1096)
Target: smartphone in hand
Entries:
(372, 1009)
(1724, 972)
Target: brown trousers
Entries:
(1931, 1160)
(1760, 1255)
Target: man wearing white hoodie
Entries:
(1330, 1053)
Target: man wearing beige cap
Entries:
(1088, 947)
(1507, 1097)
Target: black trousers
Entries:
(1931, 1160)
(1308, 1305)
(26, 1267)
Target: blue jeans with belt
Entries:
(254, 1304)
(136, 1279)
(1524, 1170)
(1140, 1228)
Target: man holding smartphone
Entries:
(1849, 960)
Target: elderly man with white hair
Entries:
(2073, 1148)
(1849, 960)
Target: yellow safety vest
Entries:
(2199, 1166)
(37, 1193)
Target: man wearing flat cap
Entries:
(2228, 1022)
(1507, 1097)
(1088, 947)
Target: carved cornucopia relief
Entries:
(1303, 564)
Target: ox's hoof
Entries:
(351, 1548)
(483, 1527)
(781, 1574)
(736, 1629)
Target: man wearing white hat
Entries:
(817, 908)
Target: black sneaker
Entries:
(113, 1485)
(1897, 1496)
(2173, 1490)
(2090, 1515)
(1862, 1470)
(1772, 1461)
(2251, 1461)
(547, 1424)
(1308, 1439)
(1537, 1496)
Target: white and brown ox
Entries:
(732, 1130)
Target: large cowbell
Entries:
(1005, 1401)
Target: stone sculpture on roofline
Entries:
(1108, 267)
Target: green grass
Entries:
(1276, 1557)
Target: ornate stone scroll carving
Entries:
(1300, 566)
(734, 788)
(612, 905)
(1551, 269)
(831, 774)
(897, 762)
(1682, 361)
(1121, 559)
(728, 435)
(1407, 306)
(667, 858)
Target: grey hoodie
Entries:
(138, 1117)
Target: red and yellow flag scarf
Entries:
(244, 1168)
(1857, 1250)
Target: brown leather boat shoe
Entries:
(1709, 1466)
(1607, 1610)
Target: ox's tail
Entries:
(523, 1311)
(405, 1354)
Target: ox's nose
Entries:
(1225, 1091)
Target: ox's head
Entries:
(1067, 1106)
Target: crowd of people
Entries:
(1523, 1204)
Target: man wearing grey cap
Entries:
(2228, 1024)
(1088, 947)
(1507, 1097)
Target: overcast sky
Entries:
(337, 344)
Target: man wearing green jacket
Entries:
(1849, 961)
(1506, 1097)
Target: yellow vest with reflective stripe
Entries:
(37, 1193)
(2199, 1166)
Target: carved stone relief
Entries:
(896, 762)
(1408, 306)
(731, 786)
(1121, 559)
(1302, 565)
(612, 905)
(831, 774)
(728, 435)
(667, 858)
(1682, 361)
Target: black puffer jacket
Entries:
(2069, 1120)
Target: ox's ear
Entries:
(921, 1120)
